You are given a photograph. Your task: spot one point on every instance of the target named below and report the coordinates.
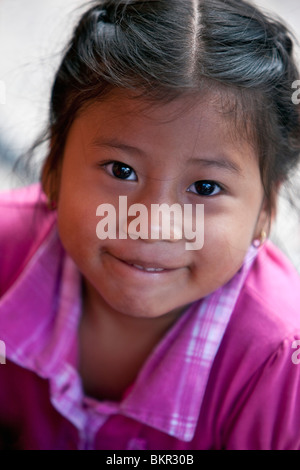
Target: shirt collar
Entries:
(39, 321)
(177, 372)
(33, 314)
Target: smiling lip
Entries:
(146, 266)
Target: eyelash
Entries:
(204, 183)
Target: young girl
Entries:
(136, 342)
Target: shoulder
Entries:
(15, 202)
(267, 312)
(25, 221)
(270, 299)
(254, 379)
(274, 282)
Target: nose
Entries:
(152, 219)
(157, 222)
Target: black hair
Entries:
(164, 48)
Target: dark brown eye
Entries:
(121, 171)
(205, 188)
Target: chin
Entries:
(146, 311)
(142, 308)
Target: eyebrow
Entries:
(221, 162)
(118, 145)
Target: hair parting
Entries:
(161, 49)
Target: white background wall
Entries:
(32, 36)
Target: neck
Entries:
(99, 313)
(114, 346)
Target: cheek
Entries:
(77, 227)
(227, 239)
(215, 265)
(233, 222)
(227, 233)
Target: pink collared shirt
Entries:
(222, 378)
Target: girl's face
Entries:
(153, 155)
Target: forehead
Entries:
(191, 115)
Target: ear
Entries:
(267, 214)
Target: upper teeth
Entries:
(150, 270)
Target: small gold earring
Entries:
(258, 242)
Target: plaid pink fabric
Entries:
(168, 392)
